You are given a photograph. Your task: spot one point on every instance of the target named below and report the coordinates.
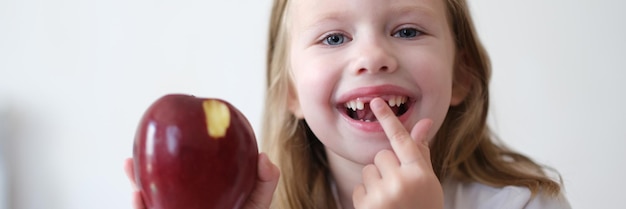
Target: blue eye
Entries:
(334, 39)
(407, 33)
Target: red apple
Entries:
(194, 153)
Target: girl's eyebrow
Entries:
(334, 16)
(423, 12)
(311, 25)
(426, 15)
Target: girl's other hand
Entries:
(130, 173)
(260, 198)
(404, 177)
(267, 179)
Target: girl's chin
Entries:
(365, 157)
(362, 150)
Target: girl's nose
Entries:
(374, 56)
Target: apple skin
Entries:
(179, 165)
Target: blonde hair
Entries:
(463, 148)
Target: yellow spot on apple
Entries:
(217, 117)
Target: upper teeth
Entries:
(357, 104)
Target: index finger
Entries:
(401, 142)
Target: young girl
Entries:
(383, 104)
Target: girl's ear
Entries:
(462, 81)
(293, 103)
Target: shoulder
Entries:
(476, 195)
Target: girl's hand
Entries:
(260, 198)
(404, 177)
(266, 182)
(130, 173)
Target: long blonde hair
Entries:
(463, 148)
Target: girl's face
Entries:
(344, 53)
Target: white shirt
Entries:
(474, 195)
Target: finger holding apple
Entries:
(130, 173)
(267, 179)
(196, 153)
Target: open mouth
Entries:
(359, 109)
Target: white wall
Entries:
(558, 87)
(75, 77)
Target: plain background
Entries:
(76, 76)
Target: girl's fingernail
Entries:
(376, 105)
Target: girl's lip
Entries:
(368, 93)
